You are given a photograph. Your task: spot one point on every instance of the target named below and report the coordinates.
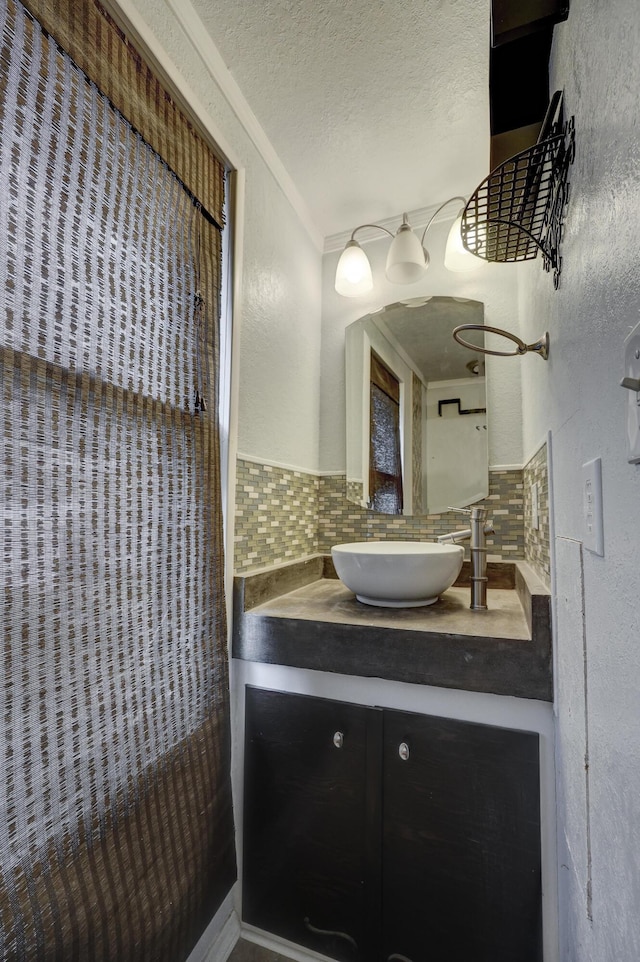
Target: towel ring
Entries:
(540, 347)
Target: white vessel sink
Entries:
(397, 574)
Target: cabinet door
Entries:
(461, 842)
(307, 823)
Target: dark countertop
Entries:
(297, 616)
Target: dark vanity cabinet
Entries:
(305, 822)
(385, 836)
(460, 841)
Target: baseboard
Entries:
(220, 936)
(280, 946)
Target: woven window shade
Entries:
(116, 828)
(84, 29)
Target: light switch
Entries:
(593, 533)
(631, 383)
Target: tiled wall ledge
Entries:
(285, 514)
(253, 588)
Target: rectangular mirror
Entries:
(416, 408)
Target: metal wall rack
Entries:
(519, 208)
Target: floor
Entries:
(248, 952)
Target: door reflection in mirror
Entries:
(385, 464)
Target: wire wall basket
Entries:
(519, 208)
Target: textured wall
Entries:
(576, 395)
(278, 339)
(280, 333)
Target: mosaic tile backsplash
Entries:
(276, 515)
(536, 542)
(284, 515)
(339, 520)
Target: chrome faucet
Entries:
(480, 527)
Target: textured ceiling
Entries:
(373, 107)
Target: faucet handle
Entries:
(459, 510)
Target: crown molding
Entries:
(211, 59)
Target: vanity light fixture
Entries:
(407, 258)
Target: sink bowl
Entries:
(397, 574)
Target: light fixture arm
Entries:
(463, 200)
(376, 226)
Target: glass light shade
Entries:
(353, 273)
(456, 257)
(406, 260)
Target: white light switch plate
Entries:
(593, 533)
(632, 370)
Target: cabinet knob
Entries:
(403, 751)
(338, 739)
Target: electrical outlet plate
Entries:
(593, 535)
